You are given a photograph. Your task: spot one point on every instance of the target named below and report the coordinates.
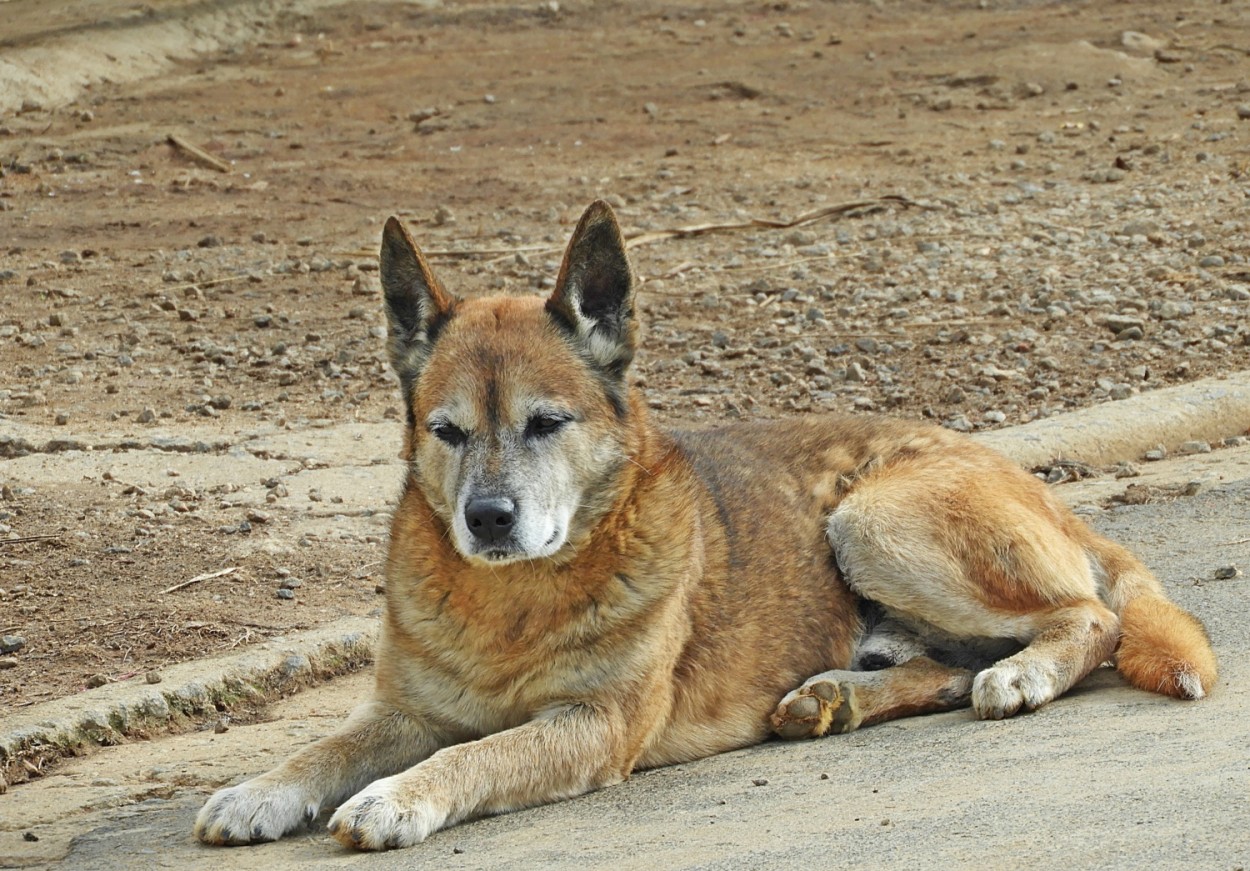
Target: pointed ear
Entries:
(417, 307)
(594, 295)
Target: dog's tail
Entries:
(1163, 648)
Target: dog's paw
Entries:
(379, 817)
(1008, 687)
(815, 709)
(254, 811)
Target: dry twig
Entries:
(198, 578)
(198, 153)
(29, 538)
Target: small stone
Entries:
(290, 583)
(1154, 455)
(221, 726)
(1211, 261)
(152, 677)
(30, 837)
(1225, 573)
(1119, 323)
(443, 215)
(61, 418)
(959, 423)
(11, 643)
(284, 593)
(209, 242)
(1127, 470)
(257, 516)
(1243, 112)
(7, 663)
(148, 415)
(96, 681)
(1195, 447)
(760, 781)
(380, 588)
(188, 314)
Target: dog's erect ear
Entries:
(594, 295)
(417, 307)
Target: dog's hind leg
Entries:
(979, 550)
(842, 701)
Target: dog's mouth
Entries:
(513, 553)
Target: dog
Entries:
(574, 593)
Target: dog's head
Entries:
(517, 407)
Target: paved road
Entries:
(1107, 777)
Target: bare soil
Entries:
(1030, 211)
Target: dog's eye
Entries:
(449, 433)
(543, 425)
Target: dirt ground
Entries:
(1029, 210)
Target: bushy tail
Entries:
(1163, 648)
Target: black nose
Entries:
(490, 519)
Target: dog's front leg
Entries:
(561, 753)
(376, 741)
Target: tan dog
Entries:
(573, 593)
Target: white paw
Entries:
(254, 811)
(1007, 687)
(379, 817)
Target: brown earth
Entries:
(1029, 211)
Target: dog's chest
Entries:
(486, 661)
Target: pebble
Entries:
(152, 677)
(284, 593)
(1225, 573)
(1194, 447)
(96, 681)
(1243, 112)
(7, 662)
(11, 643)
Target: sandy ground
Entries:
(1021, 209)
(1106, 777)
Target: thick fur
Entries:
(573, 593)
